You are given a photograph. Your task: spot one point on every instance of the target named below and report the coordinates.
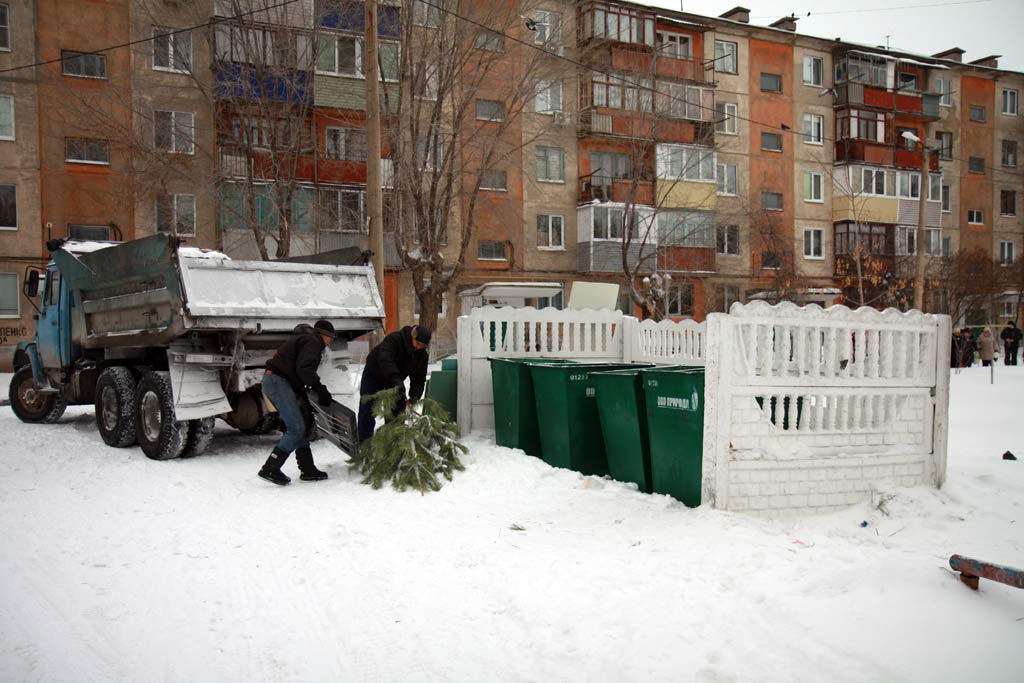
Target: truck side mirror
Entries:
(32, 284)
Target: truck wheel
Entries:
(115, 407)
(159, 435)
(29, 403)
(200, 434)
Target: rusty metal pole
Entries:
(922, 222)
(374, 198)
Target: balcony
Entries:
(645, 125)
(880, 153)
(687, 259)
(905, 102)
(618, 190)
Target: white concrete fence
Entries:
(806, 409)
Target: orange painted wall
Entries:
(390, 301)
(977, 140)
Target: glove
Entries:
(324, 397)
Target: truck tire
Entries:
(32, 405)
(200, 434)
(160, 435)
(115, 406)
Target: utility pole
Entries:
(374, 199)
(922, 220)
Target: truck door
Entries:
(50, 330)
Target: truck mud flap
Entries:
(337, 424)
(196, 385)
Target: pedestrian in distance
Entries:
(970, 346)
(1011, 337)
(986, 347)
(401, 355)
(290, 376)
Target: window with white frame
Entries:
(1006, 254)
(976, 113)
(548, 29)
(429, 152)
(493, 180)
(5, 27)
(550, 231)
(679, 300)
(771, 83)
(727, 295)
(946, 199)
(906, 240)
(944, 141)
(975, 217)
(814, 127)
(176, 214)
(727, 179)
(549, 97)
(491, 251)
(727, 240)
(1009, 309)
(345, 143)
(490, 40)
(860, 124)
(424, 80)
(934, 187)
(341, 55)
(814, 239)
(442, 313)
(426, 13)
(173, 131)
(87, 151)
(933, 245)
(8, 206)
(608, 223)
(908, 185)
(83, 64)
(682, 228)
(172, 50)
(726, 114)
(673, 45)
(619, 23)
(680, 162)
(244, 45)
(681, 101)
(771, 142)
(7, 117)
(1009, 153)
(873, 181)
(725, 57)
(814, 186)
(341, 209)
(944, 87)
(490, 110)
(1010, 100)
(814, 69)
(771, 201)
(9, 296)
(550, 164)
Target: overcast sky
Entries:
(981, 27)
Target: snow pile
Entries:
(198, 252)
(121, 568)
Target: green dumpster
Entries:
(674, 401)
(515, 411)
(570, 429)
(450, 364)
(620, 406)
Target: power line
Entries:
(879, 9)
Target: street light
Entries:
(922, 218)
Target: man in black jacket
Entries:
(400, 355)
(290, 375)
(1011, 337)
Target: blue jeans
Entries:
(281, 394)
(368, 386)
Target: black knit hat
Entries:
(324, 327)
(421, 334)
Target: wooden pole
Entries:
(374, 199)
(922, 222)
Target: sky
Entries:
(981, 27)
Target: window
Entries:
(1007, 203)
(621, 92)
(426, 14)
(489, 40)
(172, 51)
(608, 223)
(549, 97)
(814, 125)
(947, 249)
(1009, 309)
(906, 143)
(9, 294)
(977, 113)
(6, 117)
(673, 45)
(727, 296)
(491, 251)
(906, 241)
(176, 214)
(246, 45)
(725, 57)
(424, 80)
(1010, 98)
(493, 180)
(83, 151)
(551, 164)
(345, 143)
(679, 300)
(861, 124)
(681, 101)
(5, 27)
(944, 87)
(908, 185)
(771, 260)
(83, 64)
(342, 210)
(1009, 155)
(604, 166)
(681, 228)
(725, 117)
(975, 217)
(1006, 253)
(686, 163)
(173, 131)
(944, 141)
(933, 247)
(727, 179)
(771, 83)
(550, 231)
(862, 69)
(340, 55)
(771, 201)
(934, 187)
(814, 243)
(548, 27)
(813, 70)
(619, 23)
(813, 187)
(771, 142)
(429, 153)
(490, 110)
(727, 240)
(976, 164)
(873, 181)
(8, 207)
(441, 313)
(907, 81)
(946, 199)
(89, 232)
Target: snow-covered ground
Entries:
(115, 567)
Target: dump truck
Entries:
(162, 339)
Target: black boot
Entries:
(271, 470)
(304, 458)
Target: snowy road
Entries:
(118, 568)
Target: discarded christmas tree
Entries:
(412, 449)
